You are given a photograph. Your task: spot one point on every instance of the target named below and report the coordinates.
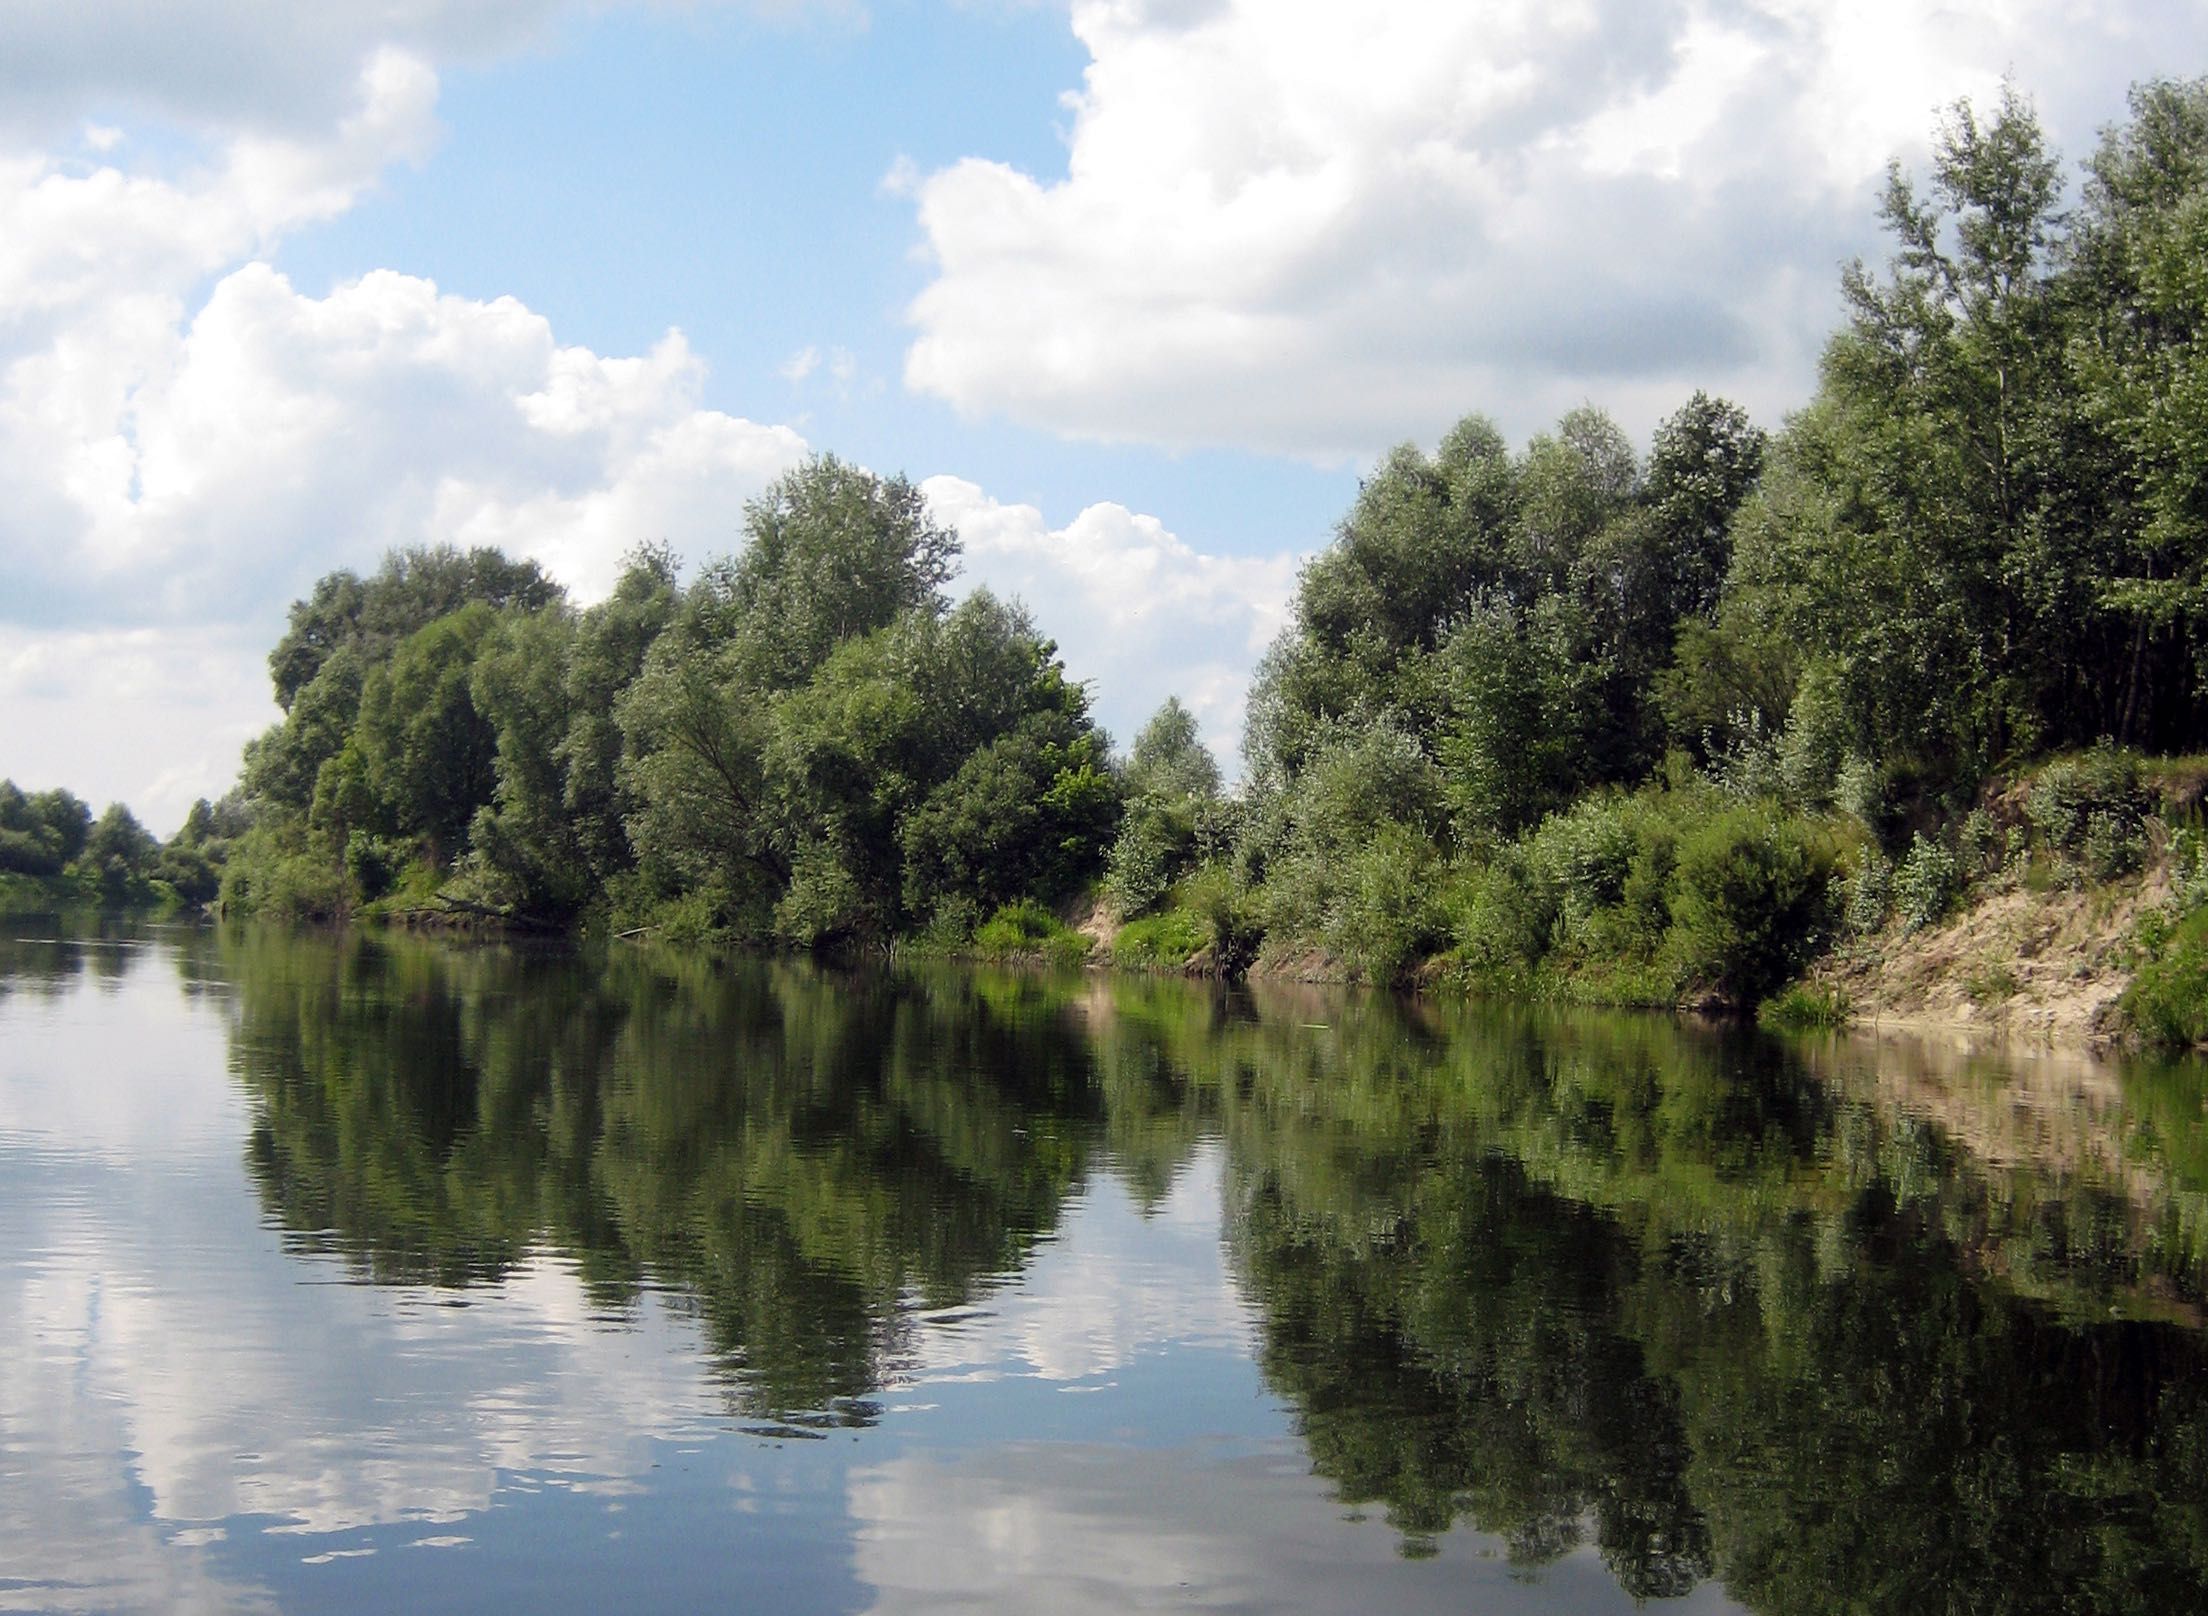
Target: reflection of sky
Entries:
(1074, 1529)
(195, 1415)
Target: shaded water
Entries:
(367, 1274)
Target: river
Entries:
(364, 1273)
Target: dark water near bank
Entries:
(374, 1275)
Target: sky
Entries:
(1134, 289)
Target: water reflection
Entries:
(621, 1272)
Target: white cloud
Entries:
(1134, 609)
(152, 717)
(188, 440)
(1318, 229)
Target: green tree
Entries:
(831, 552)
(118, 853)
(2133, 275)
(430, 755)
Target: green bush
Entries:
(2167, 1002)
(1750, 902)
(1979, 844)
(1025, 928)
(2114, 844)
(1991, 984)
(1500, 920)
(1214, 894)
(1387, 909)
(1928, 883)
(1584, 855)
(1167, 939)
(689, 921)
(2091, 811)
(1805, 1006)
(1152, 847)
(1867, 892)
(297, 885)
(375, 863)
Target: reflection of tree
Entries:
(1617, 1282)
(1618, 1279)
(791, 1154)
(42, 956)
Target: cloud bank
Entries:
(1318, 229)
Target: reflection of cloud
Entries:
(1110, 1286)
(1078, 1529)
(162, 1355)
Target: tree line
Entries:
(1661, 724)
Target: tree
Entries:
(610, 645)
(522, 842)
(118, 852)
(1170, 760)
(832, 552)
(2133, 274)
(1945, 443)
(430, 755)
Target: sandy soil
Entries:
(2040, 966)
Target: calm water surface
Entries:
(359, 1274)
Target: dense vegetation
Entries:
(806, 743)
(53, 853)
(1569, 718)
(1647, 729)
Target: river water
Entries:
(374, 1274)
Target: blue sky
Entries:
(723, 173)
(1135, 287)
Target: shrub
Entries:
(824, 903)
(688, 921)
(1224, 904)
(297, 885)
(1024, 927)
(1166, 939)
(1928, 882)
(1860, 789)
(1584, 855)
(1991, 984)
(1867, 893)
(1499, 919)
(2091, 810)
(1805, 1006)
(2167, 1002)
(1387, 908)
(1152, 846)
(1979, 844)
(1749, 902)
(2114, 844)
(376, 863)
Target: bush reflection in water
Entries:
(1821, 1323)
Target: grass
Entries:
(1165, 940)
(1026, 930)
(1804, 1007)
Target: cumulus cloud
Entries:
(152, 717)
(1319, 229)
(1135, 610)
(189, 440)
